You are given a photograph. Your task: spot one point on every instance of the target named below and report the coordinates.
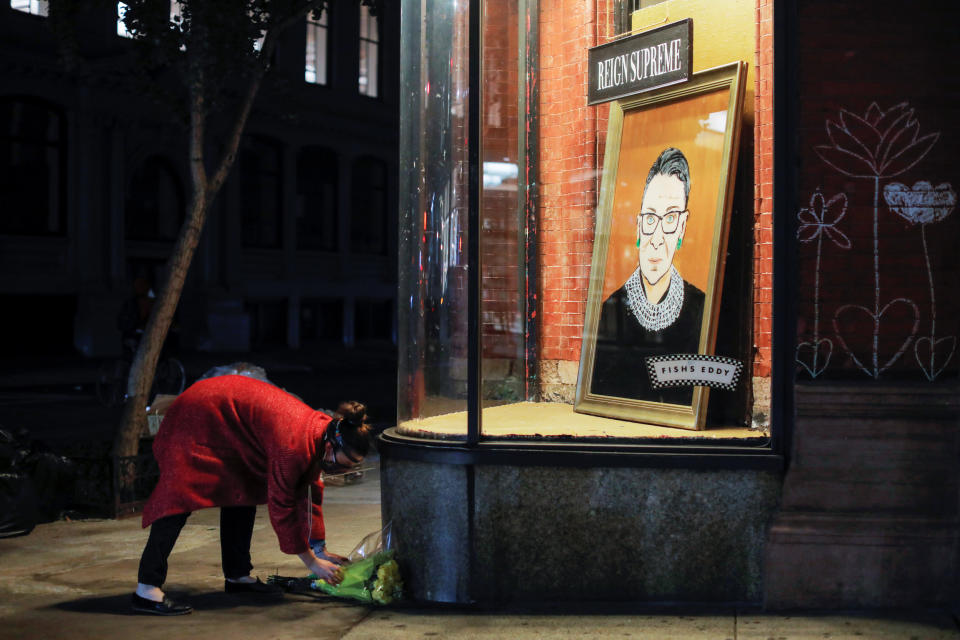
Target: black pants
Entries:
(236, 530)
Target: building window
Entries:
(176, 16)
(261, 193)
(321, 320)
(155, 202)
(122, 30)
(369, 77)
(368, 206)
(317, 199)
(315, 71)
(32, 168)
(268, 323)
(36, 7)
(373, 320)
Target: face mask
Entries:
(334, 449)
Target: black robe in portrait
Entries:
(619, 365)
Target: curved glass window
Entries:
(620, 294)
(432, 302)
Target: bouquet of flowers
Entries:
(372, 574)
(372, 579)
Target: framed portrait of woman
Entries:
(659, 246)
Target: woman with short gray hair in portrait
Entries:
(656, 312)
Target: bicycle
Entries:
(170, 378)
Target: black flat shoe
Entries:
(252, 587)
(166, 608)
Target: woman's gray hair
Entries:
(672, 162)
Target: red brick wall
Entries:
(856, 255)
(503, 297)
(763, 193)
(569, 171)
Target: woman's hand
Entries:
(319, 548)
(323, 569)
(332, 557)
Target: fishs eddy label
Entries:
(679, 370)
(649, 60)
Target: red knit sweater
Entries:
(233, 440)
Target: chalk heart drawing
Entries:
(849, 324)
(929, 351)
(814, 355)
(922, 204)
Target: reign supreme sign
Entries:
(648, 60)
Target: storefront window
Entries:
(432, 311)
(605, 228)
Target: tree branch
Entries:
(253, 87)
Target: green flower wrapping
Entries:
(372, 579)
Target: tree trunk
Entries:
(144, 364)
(205, 188)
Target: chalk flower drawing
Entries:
(817, 221)
(879, 144)
(925, 204)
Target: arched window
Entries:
(368, 210)
(261, 202)
(155, 203)
(317, 199)
(32, 167)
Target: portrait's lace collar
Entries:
(655, 317)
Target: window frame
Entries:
(276, 146)
(314, 26)
(366, 43)
(478, 448)
(61, 148)
(358, 191)
(329, 161)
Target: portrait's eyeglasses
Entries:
(668, 222)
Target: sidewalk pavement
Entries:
(71, 580)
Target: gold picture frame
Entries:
(662, 226)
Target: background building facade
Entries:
(299, 246)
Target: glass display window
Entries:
(528, 208)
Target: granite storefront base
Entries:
(494, 534)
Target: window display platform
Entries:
(522, 420)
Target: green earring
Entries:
(679, 242)
(638, 243)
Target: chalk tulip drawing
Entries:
(925, 204)
(817, 222)
(875, 146)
